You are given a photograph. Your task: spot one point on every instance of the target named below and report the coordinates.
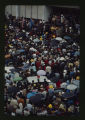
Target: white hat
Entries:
(13, 114)
(27, 33)
(27, 61)
(65, 71)
(23, 30)
(20, 105)
(34, 55)
(13, 39)
(9, 100)
(50, 62)
(7, 84)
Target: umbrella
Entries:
(76, 82)
(25, 67)
(29, 107)
(63, 41)
(67, 95)
(35, 78)
(62, 58)
(58, 90)
(16, 75)
(36, 100)
(41, 73)
(45, 52)
(20, 51)
(8, 69)
(12, 89)
(71, 87)
(13, 70)
(17, 79)
(58, 38)
(32, 49)
(36, 40)
(29, 95)
(67, 37)
(48, 81)
(63, 85)
(77, 53)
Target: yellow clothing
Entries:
(53, 36)
(77, 78)
(52, 28)
(32, 60)
(46, 33)
(10, 45)
(34, 85)
(50, 86)
(50, 106)
(41, 38)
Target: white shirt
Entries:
(19, 111)
(26, 113)
(48, 69)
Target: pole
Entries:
(17, 11)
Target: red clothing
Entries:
(21, 101)
(38, 64)
(43, 67)
(38, 76)
(31, 33)
(52, 64)
(47, 88)
(58, 84)
(46, 62)
(59, 49)
(77, 102)
(37, 53)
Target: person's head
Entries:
(44, 80)
(32, 81)
(38, 80)
(27, 101)
(8, 101)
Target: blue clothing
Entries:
(68, 91)
(71, 74)
(31, 23)
(70, 102)
(51, 92)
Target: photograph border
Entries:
(2, 60)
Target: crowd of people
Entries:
(52, 46)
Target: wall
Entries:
(47, 12)
(41, 12)
(13, 10)
(8, 9)
(34, 11)
(28, 11)
(22, 11)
